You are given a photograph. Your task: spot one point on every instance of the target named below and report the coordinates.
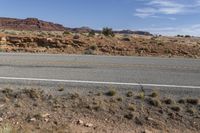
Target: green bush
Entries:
(108, 32)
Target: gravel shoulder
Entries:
(41, 110)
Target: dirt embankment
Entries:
(125, 45)
(32, 110)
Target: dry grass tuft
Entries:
(169, 101)
(128, 116)
(192, 101)
(155, 102)
(141, 95)
(111, 92)
(191, 111)
(98, 94)
(33, 93)
(120, 99)
(129, 94)
(7, 91)
(61, 89)
(74, 95)
(154, 94)
(182, 101)
(176, 108)
(131, 107)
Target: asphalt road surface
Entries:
(99, 70)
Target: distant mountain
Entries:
(81, 30)
(134, 32)
(34, 24)
(29, 24)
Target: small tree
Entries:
(108, 32)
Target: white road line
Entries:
(98, 82)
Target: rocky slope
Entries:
(132, 45)
(29, 24)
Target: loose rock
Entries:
(88, 125)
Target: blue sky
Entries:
(169, 17)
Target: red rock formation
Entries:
(29, 24)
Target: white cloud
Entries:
(170, 10)
(165, 3)
(182, 30)
(166, 7)
(145, 12)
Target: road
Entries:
(172, 76)
(21, 68)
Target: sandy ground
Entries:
(39, 110)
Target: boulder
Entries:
(14, 40)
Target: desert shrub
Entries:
(66, 33)
(129, 116)
(182, 101)
(154, 102)
(61, 89)
(187, 36)
(160, 43)
(33, 93)
(91, 33)
(168, 101)
(93, 47)
(131, 107)
(89, 52)
(176, 108)
(119, 99)
(179, 35)
(129, 94)
(154, 94)
(76, 36)
(192, 101)
(111, 92)
(108, 32)
(191, 110)
(141, 95)
(126, 39)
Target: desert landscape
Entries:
(100, 109)
(37, 36)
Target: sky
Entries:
(167, 17)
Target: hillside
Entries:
(29, 24)
(98, 44)
(37, 36)
(34, 24)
